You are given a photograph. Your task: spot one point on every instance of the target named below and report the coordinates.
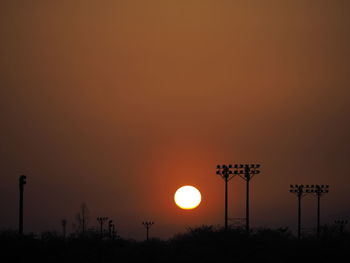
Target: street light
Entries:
(226, 173)
(101, 221)
(22, 182)
(147, 225)
(246, 172)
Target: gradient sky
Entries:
(119, 103)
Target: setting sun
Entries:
(187, 197)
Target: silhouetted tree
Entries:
(198, 244)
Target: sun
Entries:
(187, 197)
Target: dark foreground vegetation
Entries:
(202, 244)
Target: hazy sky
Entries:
(119, 103)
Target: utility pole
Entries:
(147, 225)
(64, 224)
(101, 221)
(246, 172)
(22, 182)
(226, 173)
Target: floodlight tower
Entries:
(300, 192)
(22, 182)
(319, 190)
(246, 172)
(341, 224)
(226, 173)
(114, 232)
(64, 224)
(110, 227)
(147, 225)
(101, 221)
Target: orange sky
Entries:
(118, 103)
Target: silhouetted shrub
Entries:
(203, 244)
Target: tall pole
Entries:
(21, 209)
(101, 220)
(247, 205)
(111, 229)
(226, 173)
(341, 224)
(299, 213)
(22, 182)
(64, 223)
(319, 191)
(318, 215)
(110, 224)
(147, 225)
(226, 204)
(114, 232)
(246, 172)
(300, 192)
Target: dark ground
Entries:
(204, 244)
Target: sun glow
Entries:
(187, 197)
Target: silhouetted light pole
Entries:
(147, 225)
(101, 220)
(341, 224)
(64, 224)
(22, 182)
(226, 173)
(246, 172)
(319, 190)
(111, 229)
(299, 191)
(114, 232)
